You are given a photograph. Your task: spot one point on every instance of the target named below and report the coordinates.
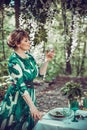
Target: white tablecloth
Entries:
(47, 123)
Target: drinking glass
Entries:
(85, 102)
(74, 105)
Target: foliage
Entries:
(71, 90)
(4, 83)
(8, 26)
(56, 36)
(40, 35)
(3, 68)
(56, 66)
(80, 5)
(40, 9)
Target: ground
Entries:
(49, 95)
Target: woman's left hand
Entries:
(50, 55)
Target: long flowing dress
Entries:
(14, 111)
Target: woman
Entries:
(18, 110)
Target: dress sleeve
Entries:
(16, 74)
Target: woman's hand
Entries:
(50, 55)
(35, 113)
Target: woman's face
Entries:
(24, 45)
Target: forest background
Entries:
(58, 24)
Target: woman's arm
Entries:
(43, 68)
(49, 57)
(34, 111)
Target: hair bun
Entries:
(10, 42)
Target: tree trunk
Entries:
(2, 30)
(83, 60)
(68, 45)
(17, 12)
(68, 64)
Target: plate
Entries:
(82, 113)
(60, 113)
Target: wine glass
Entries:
(74, 105)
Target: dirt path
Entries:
(49, 95)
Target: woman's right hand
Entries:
(36, 114)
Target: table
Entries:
(48, 123)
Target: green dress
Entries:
(14, 111)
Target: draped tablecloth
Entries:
(48, 123)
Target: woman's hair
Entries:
(16, 37)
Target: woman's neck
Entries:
(21, 53)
